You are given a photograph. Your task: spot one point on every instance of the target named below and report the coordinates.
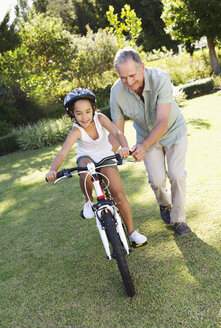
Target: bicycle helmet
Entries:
(75, 95)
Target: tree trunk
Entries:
(213, 58)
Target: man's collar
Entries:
(146, 81)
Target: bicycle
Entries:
(108, 220)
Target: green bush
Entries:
(103, 96)
(49, 132)
(43, 133)
(197, 87)
(183, 68)
(8, 144)
(93, 58)
(16, 108)
(5, 128)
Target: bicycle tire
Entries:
(118, 254)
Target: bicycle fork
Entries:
(119, 229)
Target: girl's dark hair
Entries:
(70, 112)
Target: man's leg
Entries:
(176, 155)
(156, 171)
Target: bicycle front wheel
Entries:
(118, 254)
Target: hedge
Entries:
(197, 87)
(12, 142)
(8, 144)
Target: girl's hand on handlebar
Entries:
(124, 152)
(51, 176)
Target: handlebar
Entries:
(67, 172)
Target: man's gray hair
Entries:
(127, 53)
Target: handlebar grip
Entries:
(60, 174)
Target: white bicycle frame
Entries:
(106, 208)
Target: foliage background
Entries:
(48, 51)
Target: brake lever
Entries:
(66, 176)
(128, 160)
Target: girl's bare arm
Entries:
(116, 133)
(73, 136)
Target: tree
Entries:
(9, 38)
(152, 35)
(129, 28)
(77, 14)
(189, 20)
(22, 9)
(63, 9)
(40, 63)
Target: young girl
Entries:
(92, 145)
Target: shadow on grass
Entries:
(49, 250)
(199, 123)
(203, 262)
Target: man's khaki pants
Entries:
(161, 162)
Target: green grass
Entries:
(53, 271)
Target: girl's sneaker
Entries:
(137, 239)
(87, 212)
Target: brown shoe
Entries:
(165, 213)
(181, 228)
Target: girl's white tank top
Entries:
(96, 149)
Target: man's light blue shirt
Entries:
(157, 90)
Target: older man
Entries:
(145, 96)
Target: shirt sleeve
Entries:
(115, 109)
(165, 90)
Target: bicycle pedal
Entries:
(134, 245)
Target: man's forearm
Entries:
(155, 135)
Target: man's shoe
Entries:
(138, 239)
(165, 213)
(181, 228)
(87, 212)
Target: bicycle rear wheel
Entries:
(118, 254)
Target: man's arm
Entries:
(161, 127)
(115, 144)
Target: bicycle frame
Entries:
(108, 220)
(105, 205)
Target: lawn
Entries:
(53, 271)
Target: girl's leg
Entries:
(117, 192)
(89, 185)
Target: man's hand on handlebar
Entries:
(138, 152)
(51, 176)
